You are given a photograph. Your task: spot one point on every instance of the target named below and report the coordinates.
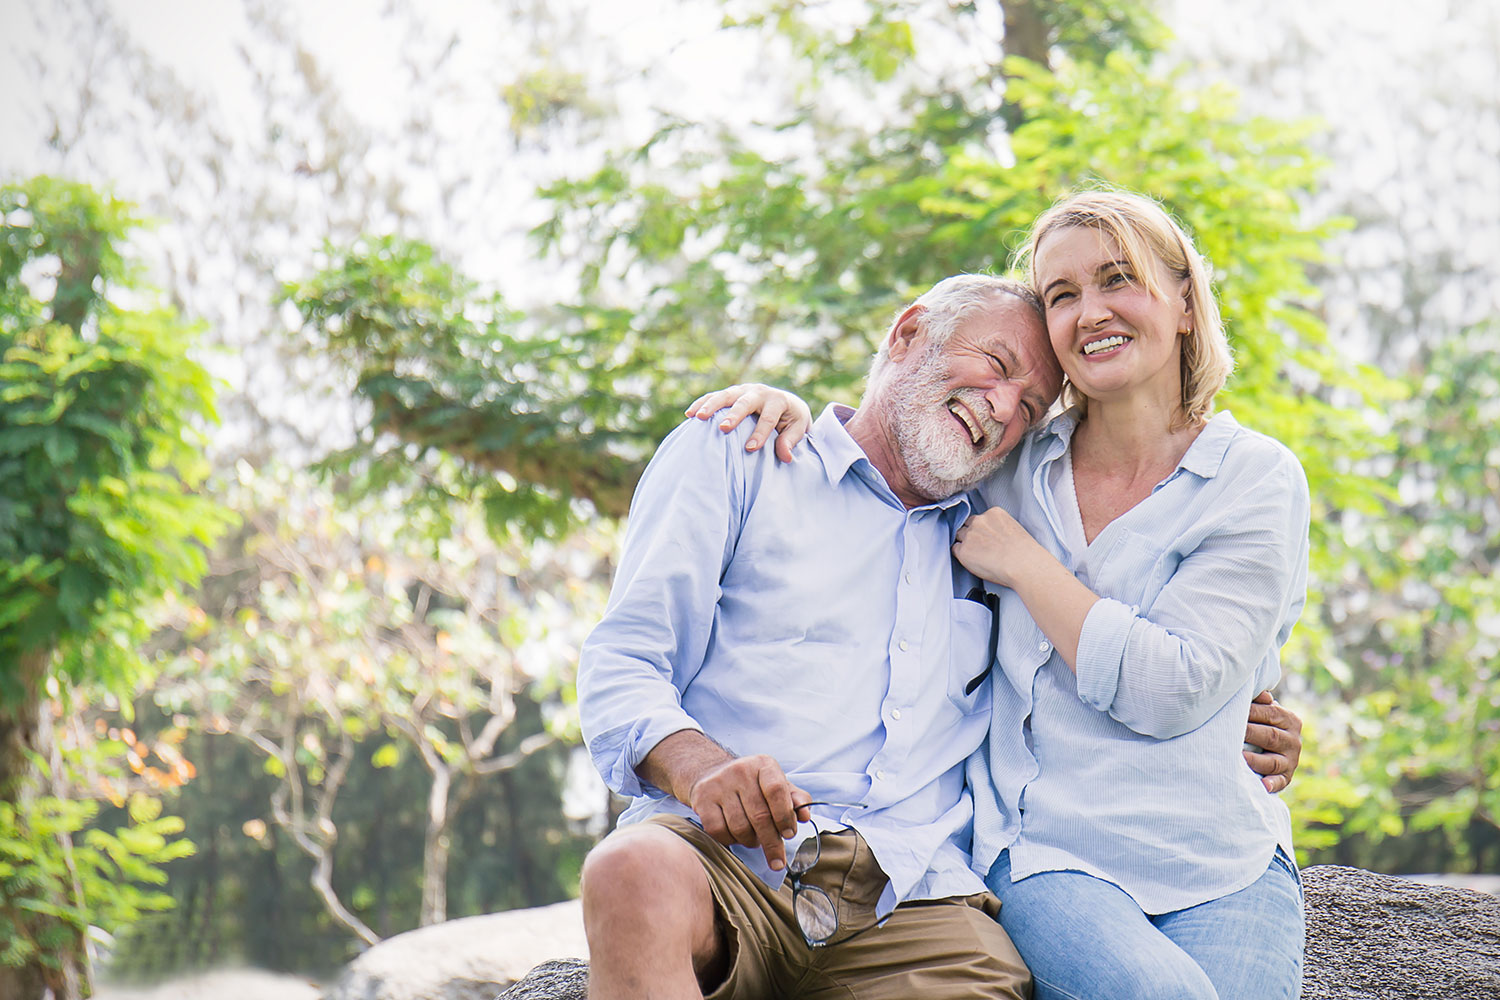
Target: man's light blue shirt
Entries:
(799, 611)
(1132, 771)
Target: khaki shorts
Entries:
(933, 949)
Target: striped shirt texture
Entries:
(1132, 770)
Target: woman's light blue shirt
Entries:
(1132, 770)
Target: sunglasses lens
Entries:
(815, 914)
(806, 857)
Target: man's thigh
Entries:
(950, 948)
(764, 954)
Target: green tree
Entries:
(344, 637)
(1415, 730)
(101, 415)
(705, 260)
(711, 254)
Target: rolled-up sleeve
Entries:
(1220, 617)
(651, 642)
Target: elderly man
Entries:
(808, 617)
(790, 665)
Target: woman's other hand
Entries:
(994, 547)
(776, 409)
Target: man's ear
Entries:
(906, 331)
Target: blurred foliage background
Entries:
(333, 338)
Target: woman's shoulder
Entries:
(1251, 456)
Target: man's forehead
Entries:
(1010, 326)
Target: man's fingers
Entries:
(714, 824)
(777, 793)
(764, 829)
(1275, 770)
(1270, 768)
(740, 830)
(800, 798)
(1269, 738)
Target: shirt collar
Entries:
(833, 443)
(1206, 454)
(839, 453)
(1203, 457)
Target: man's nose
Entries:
(1003, 399)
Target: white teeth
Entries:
(974, 433)
(1108, 343)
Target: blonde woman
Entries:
(1149, 559)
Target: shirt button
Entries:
(896, 714)
(880, 775)
(906, 577)
(1044, 645)
(903, 646)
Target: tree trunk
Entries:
(435, 850)
(25, 983)
(1026, 35)
(21, 722)
(1026, 31)
(21, 727)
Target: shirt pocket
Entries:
(969, 655)
(1125, 571)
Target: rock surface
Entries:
(1378, 936)
(562, 979)
(1369, 937)
(469, 959)
(222, 984)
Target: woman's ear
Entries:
(1185, 324)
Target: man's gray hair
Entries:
(949, 301)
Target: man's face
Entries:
(957, 408)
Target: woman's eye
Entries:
(1058, 298)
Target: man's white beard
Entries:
(939, 462)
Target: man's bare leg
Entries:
(649, 915)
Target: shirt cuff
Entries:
(619, 753)
(1101, 651)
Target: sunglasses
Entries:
(817, 917)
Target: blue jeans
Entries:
(1085, 939)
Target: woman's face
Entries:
(1114, 339)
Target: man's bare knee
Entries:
(646, 898)
(646, 873)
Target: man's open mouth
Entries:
(970, 422)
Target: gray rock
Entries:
(565, 979)
(469, 959)
(1369, 937)
(1377, 936)
(221, 984)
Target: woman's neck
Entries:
(1130, 438)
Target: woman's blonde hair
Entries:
(1142, 229)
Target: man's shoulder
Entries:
(707, 435)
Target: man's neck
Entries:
(875, 439)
